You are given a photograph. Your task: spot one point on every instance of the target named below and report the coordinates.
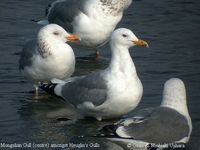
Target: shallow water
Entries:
(170, 27)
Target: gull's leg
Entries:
(99, 118)
(97, 53)
(38, 96)
(36, 89)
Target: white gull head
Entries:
(126, 38)
(54, 32)
(52, 38)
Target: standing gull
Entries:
(108, 93)
(93, 20)
(48, 56)
(169, 123)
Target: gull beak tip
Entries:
(141, 43)
(73, 37)
(147, 45)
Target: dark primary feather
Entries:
(63, 13)
(163, 125)
(91, 88)
(26, 54)
(49, 88)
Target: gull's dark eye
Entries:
(56, 33)
(124, 35)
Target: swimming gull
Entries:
(93, 20)
(169, 123)
(108, 93)
(48, 56)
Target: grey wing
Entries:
(64, 12)
(163, 125)
(27, 52)
(91, 88)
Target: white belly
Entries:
(122, 103)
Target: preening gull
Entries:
(169, 123)
(48, 56)
(93, 20)
(108, 93)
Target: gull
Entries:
(169, 123)
(108, 93)
(49, 56)
(93, 20)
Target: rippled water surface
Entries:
(170, 26)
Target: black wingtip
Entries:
(49, 88)
(47, 9)
(109, 128)
(107, 131)
(34, 20)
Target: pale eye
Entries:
(124, 35)
(56, 33)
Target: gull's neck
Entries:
(121, 60)
(44, 47)
(176, 100)
(51, 47)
